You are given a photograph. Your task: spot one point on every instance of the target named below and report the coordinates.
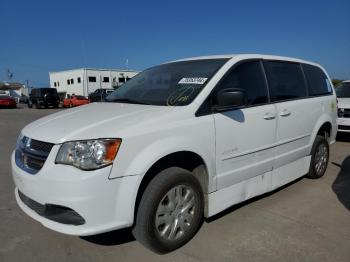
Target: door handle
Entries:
(269, 116)
(285, 112)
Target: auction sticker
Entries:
(193, 80)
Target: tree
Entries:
(336, 82)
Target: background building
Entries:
(84, 81)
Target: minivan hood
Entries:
(344, 102)
(96, 120)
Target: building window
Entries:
(72, 81)
(58, 83)
(54, 84)
(79, 80)
(105, 79)
(92, 79)
(68, 82)
(128, 78)
(121, 80)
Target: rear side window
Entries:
(249, 77)
(286, 80)
(317, 81)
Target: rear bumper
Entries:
(103, 204)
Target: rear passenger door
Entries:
(245, 136)
(296, 115)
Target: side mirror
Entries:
(229, 98)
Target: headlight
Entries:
(88, 154)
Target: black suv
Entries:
(43, 97)
(99, 95)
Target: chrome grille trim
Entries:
(31, 154)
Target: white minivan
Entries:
(343, 95)
(177, 143)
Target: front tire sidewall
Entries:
(145, 230)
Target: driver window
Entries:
(250, 78)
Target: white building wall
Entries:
(103, 79)
(61, 79)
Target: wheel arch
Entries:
(323, 125)
(187, 160)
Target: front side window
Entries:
(343, 91)
(286, 80)
(172, 84)
(317, 81)
(248, 77)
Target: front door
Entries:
(245, 137)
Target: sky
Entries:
(37, 37)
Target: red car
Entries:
(75, 101)
(7, 101)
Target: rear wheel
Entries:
(170, 211)
(319, 157)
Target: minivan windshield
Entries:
(343, 90)
(172, 84)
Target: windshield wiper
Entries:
(126, 100)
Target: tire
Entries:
(149, 221)
(36, 105)
(319, 158)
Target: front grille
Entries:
(341, 127)
(31, 154)
(55, 213)
(41, 146)
(33, 163)
(344, 113)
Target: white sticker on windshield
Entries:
(193, 80)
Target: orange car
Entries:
(75, 101)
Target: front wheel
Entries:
(170, 211)
(319, 158)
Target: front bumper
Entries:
(343, 124)
(104, 204)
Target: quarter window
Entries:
(317, 80)
(286, 80)
(250, 78)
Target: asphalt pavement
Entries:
(307, 220)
